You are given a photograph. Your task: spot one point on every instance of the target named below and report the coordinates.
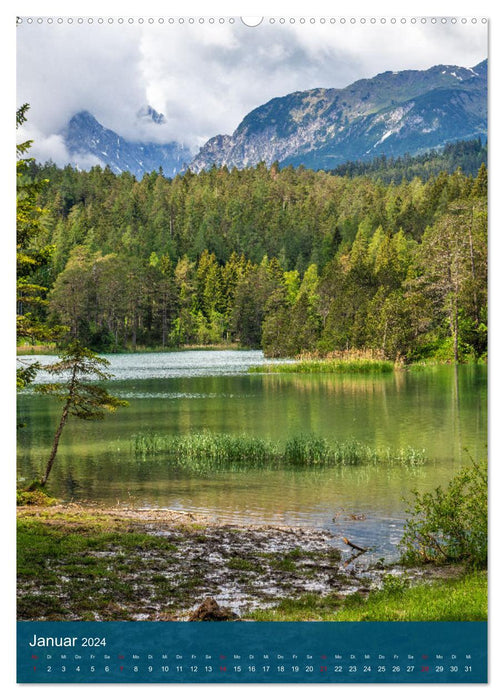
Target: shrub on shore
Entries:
(450, 524)
(34, 495)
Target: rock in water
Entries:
(211, 611)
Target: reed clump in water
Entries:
(334, 366)
(300, 451)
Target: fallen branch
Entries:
(353, 558)
(354, 546)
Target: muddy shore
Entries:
(117, 563)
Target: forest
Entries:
(466, 155)
(289, 260)
(358, 272)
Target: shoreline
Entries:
(90, 563)
(50, 350)
(286, 365)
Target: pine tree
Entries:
(81, 399)
(30, 256)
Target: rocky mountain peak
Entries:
(392, 113)
(85, 136)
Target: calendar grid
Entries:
(252, 652)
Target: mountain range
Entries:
(85, 136)
(391, 114)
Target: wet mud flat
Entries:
(88, 563)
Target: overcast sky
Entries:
(205, 78)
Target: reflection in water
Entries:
(440, 410)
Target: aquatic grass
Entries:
(199, 451)
(335, 366)
(216, 448)
(306, 450)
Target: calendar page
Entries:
(252, 349)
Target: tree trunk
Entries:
(63, 420)
(384, 341)
(473, 269)
(455, 331)
(164, 322)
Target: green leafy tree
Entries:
(30, 256)
(109, 283)
(291, 283)
(480, 186)
(306, 324)
(452, 259)
(292, 323)
(81, 399)
(389, 326)
(28, 211)
(135, 298)
(71, 298)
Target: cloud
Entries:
(206, 78)
(52, 147)
(66, 68)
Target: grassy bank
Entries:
(61, 559)
(28, 349)
(174, 348)
(78, 563)
(459, 599)
(199, 449)
(52, 349)
(94, 564)
(333, 366)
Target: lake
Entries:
(442, 410)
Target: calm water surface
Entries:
(440, 410)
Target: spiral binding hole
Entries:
(250, 21)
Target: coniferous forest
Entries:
(251, 363)
(391, 258)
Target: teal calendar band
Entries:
(252, 652)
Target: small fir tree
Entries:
(80, 397)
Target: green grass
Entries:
(240, 564)
(356, 366)
(198, 451)
(65, 569)
(461, 599)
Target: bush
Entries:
(34, 495)
(450, 525)
(394, 584)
